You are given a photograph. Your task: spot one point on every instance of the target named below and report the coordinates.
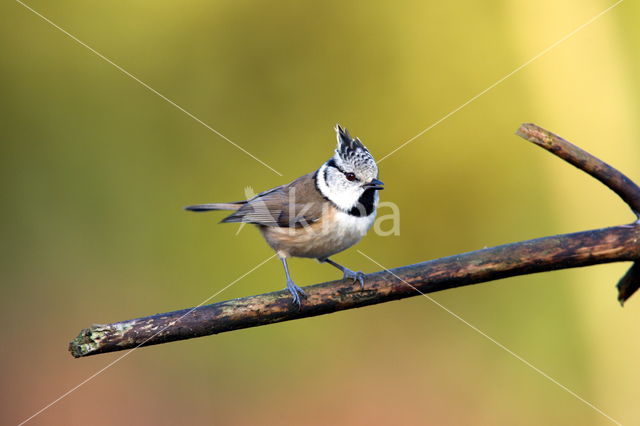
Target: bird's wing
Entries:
(293, 205)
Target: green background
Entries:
(95, 169)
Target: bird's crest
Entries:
(351, 150)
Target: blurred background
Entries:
(96, 169)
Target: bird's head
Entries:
(349, 173)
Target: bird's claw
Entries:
(297, 293)
(356, 276)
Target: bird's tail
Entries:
(214, 206)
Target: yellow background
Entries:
(96, 168)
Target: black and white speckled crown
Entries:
(350, 149)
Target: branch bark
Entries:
(612, 178)
(615, 244)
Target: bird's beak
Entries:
(374, 184)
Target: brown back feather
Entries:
(292, 205)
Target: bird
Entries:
(318, 214)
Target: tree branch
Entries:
(615, 244)
(612, 178)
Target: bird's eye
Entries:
(350, 176)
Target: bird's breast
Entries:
(335, 232)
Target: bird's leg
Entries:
(296, 292)
(348, 273)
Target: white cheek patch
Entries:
(344, 197)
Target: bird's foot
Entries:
(297, 293)
(355, 276)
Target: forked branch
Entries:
(615, 244)
(612, 178)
